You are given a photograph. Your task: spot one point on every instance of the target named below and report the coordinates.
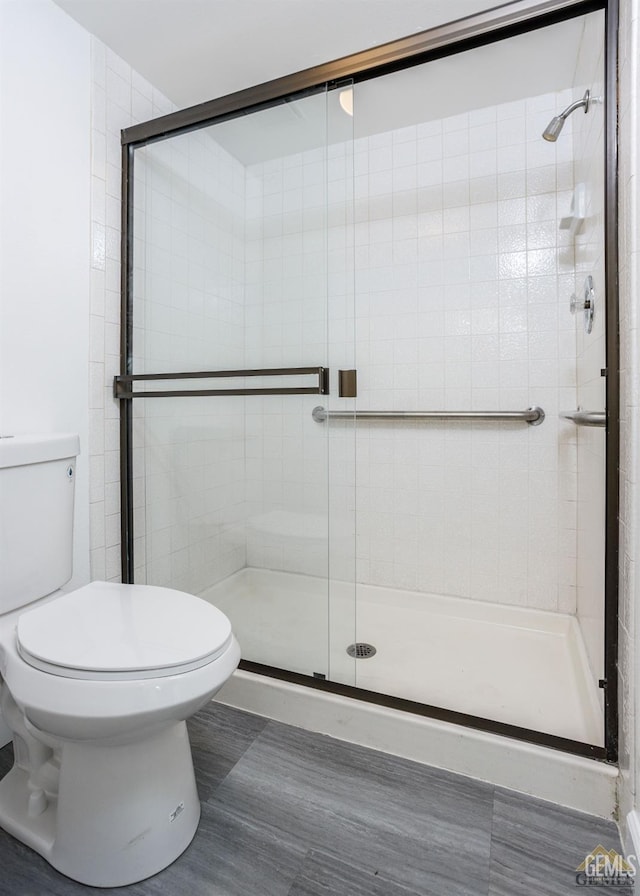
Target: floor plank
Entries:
(422, 829)
(286, 812)
(537, 846)
(325, 875)
(219, 736)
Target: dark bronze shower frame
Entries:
(477, 30)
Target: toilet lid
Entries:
(113, 631)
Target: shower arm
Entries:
(586, 99)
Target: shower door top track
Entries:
(444, 40)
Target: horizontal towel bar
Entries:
(123, 385)
(585, 418)
(534, 415)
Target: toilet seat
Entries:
(113, 632)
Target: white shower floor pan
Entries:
(510, 664)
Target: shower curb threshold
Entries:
(586, 785)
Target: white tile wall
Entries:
(119, 98)
(460, 267)
(189, 197)
(286, 326)
(459, 270)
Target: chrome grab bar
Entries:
(534, 415)
(585, 418)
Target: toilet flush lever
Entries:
(586, 304)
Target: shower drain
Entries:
(361, 651)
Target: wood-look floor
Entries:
(290, 813)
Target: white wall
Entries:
(44, 203)
(629, 649)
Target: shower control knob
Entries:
(586, 304)
(580, 304)
(574, 305)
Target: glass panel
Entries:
(481, 544)
(341, 351)
(586, 223)
(189, 492)
(232, 272)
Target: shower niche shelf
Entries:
(574, 222)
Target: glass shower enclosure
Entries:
(364, 392)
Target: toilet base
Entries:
(121, 813)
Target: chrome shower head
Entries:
(552, 130)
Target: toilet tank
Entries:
(37, 485)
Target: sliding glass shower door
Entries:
(364, 420)
(243, 306)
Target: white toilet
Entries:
(95, 685)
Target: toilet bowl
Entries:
(96, 685)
